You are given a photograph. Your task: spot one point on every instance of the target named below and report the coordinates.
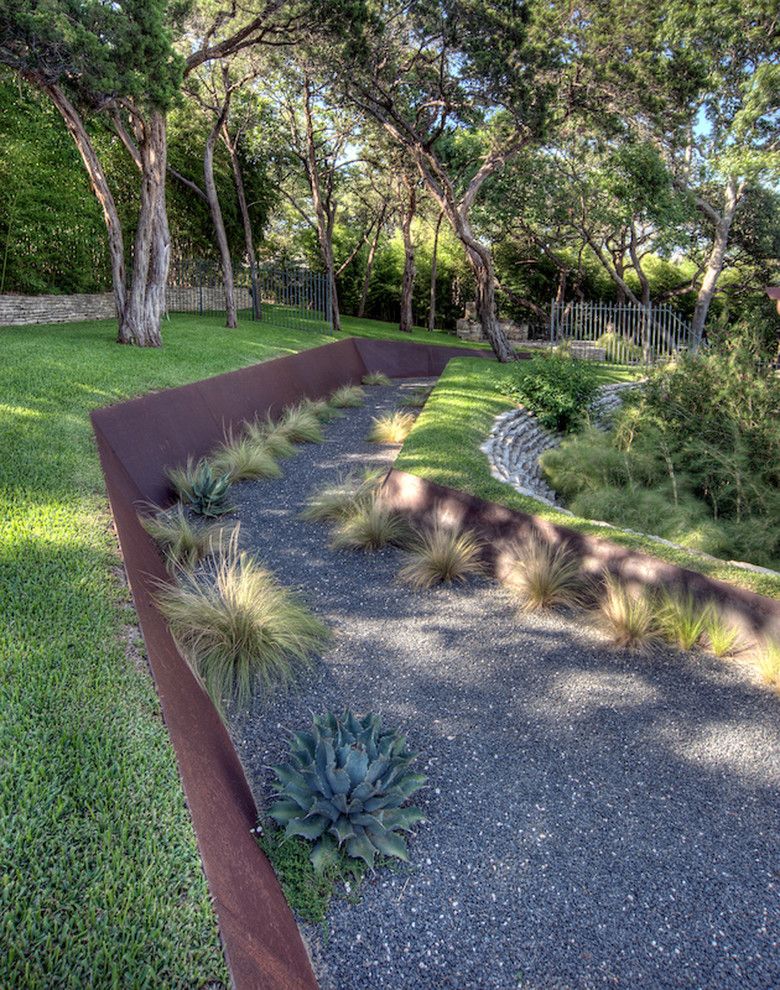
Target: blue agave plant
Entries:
(344, 788)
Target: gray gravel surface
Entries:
(595, 818)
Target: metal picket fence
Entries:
(623, 333)
(292, 297)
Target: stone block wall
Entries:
(18, 310)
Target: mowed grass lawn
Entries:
(101, 882)
(457, 418)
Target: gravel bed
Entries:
(596, 818)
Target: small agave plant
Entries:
(205, 493)
(344, 788)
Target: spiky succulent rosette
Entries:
(344, 788)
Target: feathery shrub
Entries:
(183, 541)
(347, 397)
(629, 620)
(376, 378)
(392, 428)
(443, 555)
(545, 576)
(371, 526)
(245, 458)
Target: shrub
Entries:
(393, 428)
(769, 665)
(299, 424)
(721, 637)
(443, 555)
(245, 458)
(183, 541)
(339, 500)
(347, 397)
(545, 576)
(371, 526)
(629, 620)
(376, 378)
(238, 627)
(271, 434)
(681, 620)
(557, 389)
(344, 788)
(620, 349)
(196, 484)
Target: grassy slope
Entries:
(104, 886)
(444, 447)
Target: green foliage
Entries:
(417, 398)
(619, 349)
(347, 397)
(546, 576)
(443, 555)
(309, 892)
(557, 389)
(196, 483)
(238, 627)
(630, 620)
(344, 789)
(183, 541)
(681, 620)
(444, 447)
(245, 458)
(339, 500)
(721, 637)
(371, 526)
(694, 456)
(769, 665)
(376, 378)
(300, 424)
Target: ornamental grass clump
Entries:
(721, 637)
(344, 790)
(183, 541)
(238, 628)
(443, 555)
(347, 397)
(546, 576)
(321, 408)
(268, 432)
(339, 500)
(371, 526)
(629, 620)
(769, 665)
(418, 398)
(245, 458)
(392, 428)
(299, 424)
(198, 486)
(376, 378)
(681, 621)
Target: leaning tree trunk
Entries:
(370, 264)
(100, 188)
(481, 263)
(434, 265)
(406, 321)
(210, 186)
(145, 305)
(715, 264)
(246, 220)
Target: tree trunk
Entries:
(246, 220)
(145, 304)
(325, 217)
(406, 321)
(484, 275)
(370, 264)
(210, 187)
(715, 263)
(434, 265)
(100, 188)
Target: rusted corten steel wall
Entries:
(137, 440)
(756, 616)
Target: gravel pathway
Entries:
(596, 818)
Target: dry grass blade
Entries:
(340, 499)
(546, 577)
(347, 397)
(239, 628)
(443, 556)
(720, 635)
(371, 526)
(376, 378)
(629, 620)
(245, 458)
(681, 620)
(183, 541)
(769, 665)
(393, 428)
(299, 425)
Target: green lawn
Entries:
(102, 883)
(444, 447)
